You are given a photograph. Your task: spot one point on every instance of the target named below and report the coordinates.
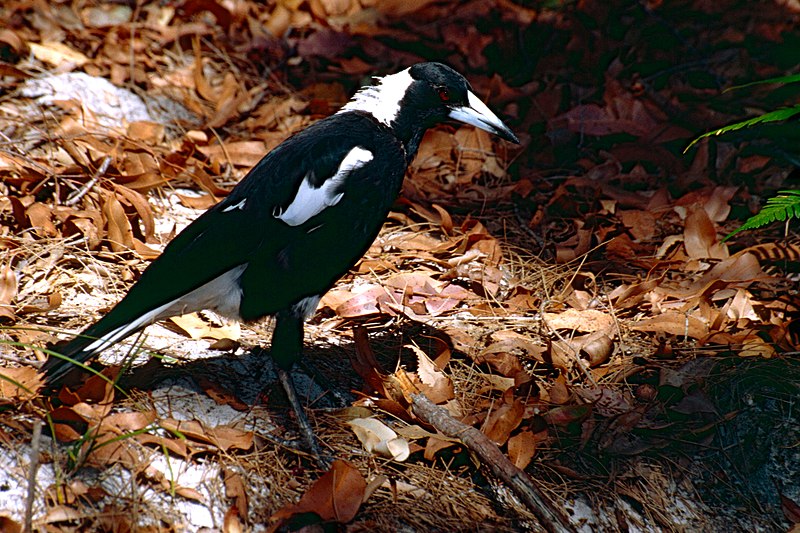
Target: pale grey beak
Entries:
(477, 114)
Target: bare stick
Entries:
(521, 483)
(76, 197)
(34, 466)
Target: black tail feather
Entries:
(57, 367)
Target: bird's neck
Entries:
(411, 137)
(384, 103)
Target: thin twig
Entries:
(76, 197)
(36, 440)
(520, 482)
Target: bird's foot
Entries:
(306, 431)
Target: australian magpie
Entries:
(297, 222)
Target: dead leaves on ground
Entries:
(637, 227)
(86, 416)
(335, 497)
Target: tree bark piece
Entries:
(520, 482)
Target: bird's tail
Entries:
(96, 338)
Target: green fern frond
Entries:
(773, 116)
(784, 206)
(794, 78)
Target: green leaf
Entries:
(794, 78)
(773, 116)
(784, 206)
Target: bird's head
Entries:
(423, 95)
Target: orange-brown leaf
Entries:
(8, 291)
(522, 448)
(335, 497)
(503, 420)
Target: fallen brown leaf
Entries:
(335, 497)
(8, 291)
(522, 448)
(224, 437)
(504, 419)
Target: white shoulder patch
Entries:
(239, 205)
(382, 101)
(310, 200)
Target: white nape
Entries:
(382, 101)
(310, 200)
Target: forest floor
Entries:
(571, 298)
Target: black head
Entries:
(446, 94)
(423, 95)
(438, 87)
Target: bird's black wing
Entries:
(243, 226)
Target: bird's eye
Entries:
(444, 94)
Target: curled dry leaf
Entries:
(18, 384)
(142, 207)
(717, 206)
(436, 444)
(232, 522)
(597, 347)
(522, 448)
(507, 351)
(40, 305)
(377, 437)
(236, 490)
(559, 392)
(241, 154)
(109, 451)
(335, 497)
(674, 323)
(503, 420)
(641, 224)
(431, 381)
(196, 327)
(791, 510)
(40, 219)
(700, 237)
(588, 320)
(120, 233)
(496, 382)
(57, 54)
(97, 390)
(567, 414)
(62, 513)
(225, 437)
(757, 347)
(8, 291)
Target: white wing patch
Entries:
(239, 205)
(382, 101)
(310, 200)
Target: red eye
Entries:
(444, 94)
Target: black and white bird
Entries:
(298, 221)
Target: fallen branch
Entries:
(521, 483)
(75, 197)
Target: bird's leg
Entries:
(306, 431)
(287, 344)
